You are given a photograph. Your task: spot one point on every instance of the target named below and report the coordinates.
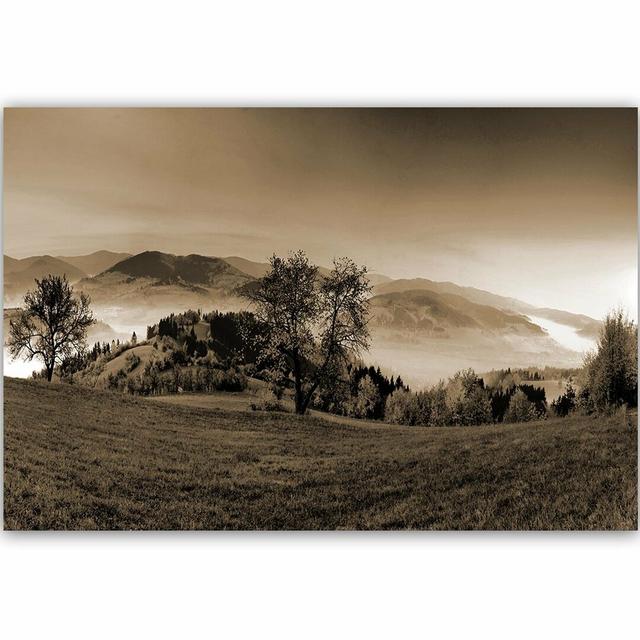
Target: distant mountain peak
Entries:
(167, 267)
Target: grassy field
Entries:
(77, 458)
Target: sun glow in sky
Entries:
(538, 204)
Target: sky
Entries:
(539, 204)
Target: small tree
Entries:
(363, 405)
(52, 325)
(468, 399)
(402, 407)
(521, 409)
(565, 404)
(311, 325)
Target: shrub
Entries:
(178, 357)
(521, 409)
(406, 407)
(131, 362)
(401, 408)
(267, 401)
(231, 380)
(364, 404)
(468, 399)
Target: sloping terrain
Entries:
(472, 294)
(10, 264)
(430, 312)
(77, 458)
(587, 326)
(254, 269)
(584, 325)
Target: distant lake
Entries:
(564, 335)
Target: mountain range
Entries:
(155, 280)
(259, 269)
(19, 274)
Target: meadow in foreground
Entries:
(77, 458)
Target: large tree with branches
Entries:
(52, 324)
(313, 324)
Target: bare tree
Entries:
(52, 325)
(313, 324)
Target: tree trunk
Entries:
(299, 398)
(297, 381)
(306, 400)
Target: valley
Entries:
(421, 329)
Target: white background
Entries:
(478, 585)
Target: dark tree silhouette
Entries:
(312, 325)
(52, 325)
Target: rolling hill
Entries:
(79, 458)
(432, 313)
(251, 268)
(427, 336)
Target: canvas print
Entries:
(320, 319)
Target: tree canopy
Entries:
(313, 324)
(612, 371)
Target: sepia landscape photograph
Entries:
(320, 319)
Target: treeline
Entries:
(465, 400)
(163, 377)
(361, 392)
(513, 376)
(174, 324)
(81, 360)
(232, 335)
(608, 380)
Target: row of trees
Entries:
(360, 392)
(155, 379)
(465, 400)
